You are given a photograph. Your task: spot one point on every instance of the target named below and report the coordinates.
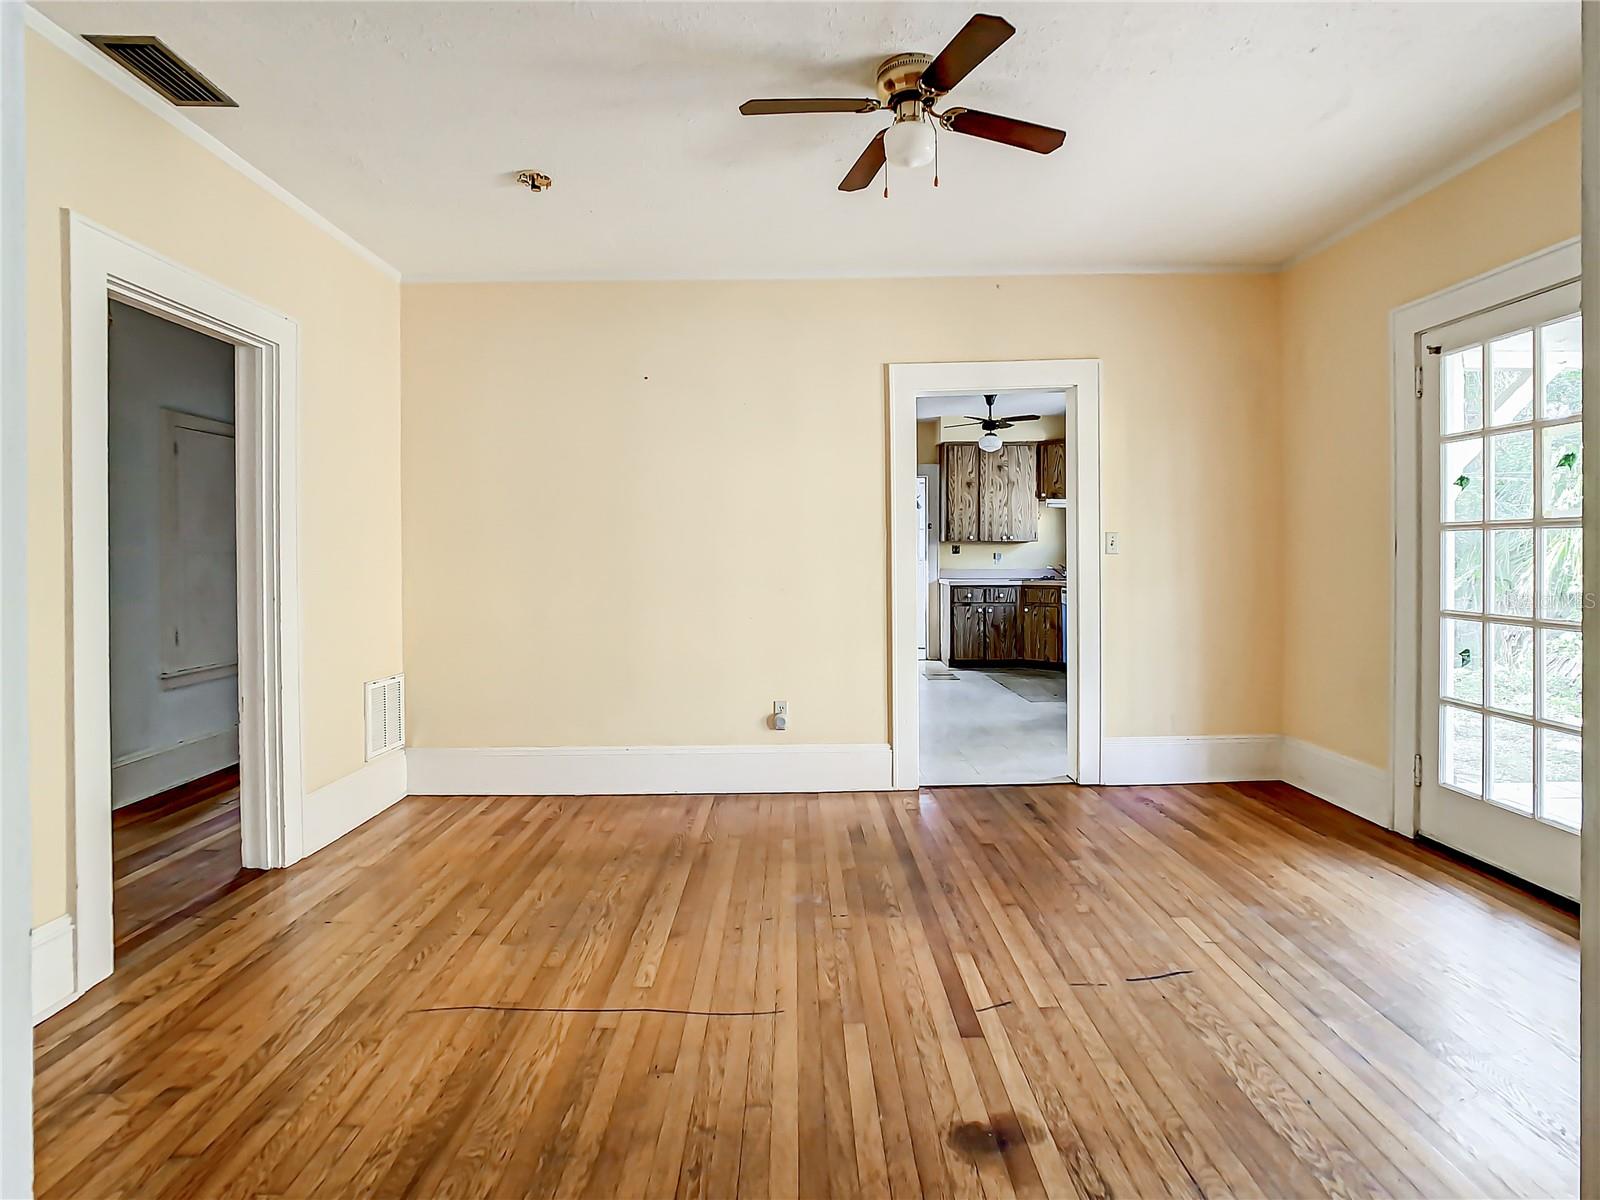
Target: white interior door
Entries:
(1502, 587)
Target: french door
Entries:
(1502, 587)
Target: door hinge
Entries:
(1416, 771)
(1419, 383)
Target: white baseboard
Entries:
(154, 771)
(336, 808)
(52, 967)
(648, 770)
(1355, 786)
(1153, 760)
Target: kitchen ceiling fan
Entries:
(910, 85)
(990, 441)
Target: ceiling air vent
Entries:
(151, 61)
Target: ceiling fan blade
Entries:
(1013, 420)
(867, 166)
(766, 108)
(1025, 135)
(980, 37)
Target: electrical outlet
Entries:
(1113, 543)
(780, 708)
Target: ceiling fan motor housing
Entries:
(899, 78)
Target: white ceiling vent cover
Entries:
(386, 715)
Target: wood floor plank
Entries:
(1206, 991)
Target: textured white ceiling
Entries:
(1006, 404)
(1198, 135)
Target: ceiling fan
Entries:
(990, 441)
(911, 84)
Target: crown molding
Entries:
(1065, 272)
(91, 59)
(1460, 167)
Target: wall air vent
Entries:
(386, 715)
(151, 60)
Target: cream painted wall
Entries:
(1049, 550)
(549, 601)
(95, 151)
(1337, 450)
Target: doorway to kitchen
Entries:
(993, 691)
(995, 573)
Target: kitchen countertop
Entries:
(983, 581)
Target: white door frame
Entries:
(931, 472)
(1536, 273)
(16, 843)
(104, 266)
(1080, 379)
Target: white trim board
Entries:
(102, 266)
(151, 772)
(1158, 760)
(53, 961)
(1537, 272)
(1346, 783)
(334, 809)
(1352, 785)
(1080, 379)
(647, 770)
(16, 841)
(87, 56)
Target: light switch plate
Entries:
(1113, 543)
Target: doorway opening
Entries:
(175, 837)
(111, 279)
(995, 573)
(993, 690)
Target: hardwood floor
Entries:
(1046, 991)
(172, 855)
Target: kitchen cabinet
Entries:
(983, 624)
(1001, 642)
(1006, 624)
(959, 470)
(1040, 622)
(967, 632)
(1008, 509)
(990, 497)
(1052, 471)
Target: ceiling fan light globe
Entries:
(989, 442)
(909, 144)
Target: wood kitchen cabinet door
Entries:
(1008, 506)
(1041, 633)
(967, 632)
(1002, 642)
(1052, 471)
(959, 467)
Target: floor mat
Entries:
(1036, 687)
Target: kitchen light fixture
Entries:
(989, 442)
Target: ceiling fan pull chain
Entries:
(935, 127)
(885, 180)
